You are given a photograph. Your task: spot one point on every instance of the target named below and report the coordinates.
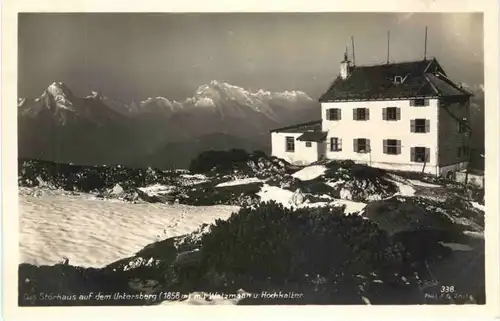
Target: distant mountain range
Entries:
(59, 126)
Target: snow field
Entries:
(241, 181)
(310, 172)
(94, 233)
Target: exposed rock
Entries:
(117, 190)
(298, 197)
(188, 258)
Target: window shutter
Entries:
(385, 146)
(368, 149)
(354, 114)
(427, 154)
(398, 113)
(398, 147)
(412, 151)
(355, 141)
(412, 125)
(339, 113)
(384, 113)
(367, 113)
(426, 102)
(427, 126)
(412, 102)
(327, 114)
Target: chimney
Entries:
(345, 67)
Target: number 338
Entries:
(447, 289)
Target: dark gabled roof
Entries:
(445, 86)
(313, 136)
(314, 125)
(424, 78)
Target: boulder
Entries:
(117, 190)
(298, 197)
(190, 258)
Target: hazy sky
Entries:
(133, 56)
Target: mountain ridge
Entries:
(96, 129)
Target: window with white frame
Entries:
(335, 144)
(361, 145)
(290, 144)
(333, 114)
(419, 102)
(461, 127)
(420, 154)
(462, 151)
(420, 125)
(361, 114)
(391, 113)
(392, 146)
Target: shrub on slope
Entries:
(66, 285)
(402, 214)
(87, 178)
(270, 246)
(420, 225)
(358, 182)
(240, 195)
(237, 161)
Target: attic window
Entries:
(419, 102)
(399, 79)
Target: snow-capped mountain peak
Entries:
(217, 93)
(158, 104)
(57, 95)
(222, 90)
(20, 101)
(59, 105)
(58, 88)
(94, 94)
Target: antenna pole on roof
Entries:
(388, 41)
(353, 55)
(425, 44)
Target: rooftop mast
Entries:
(425, 44)
(388, 41)
(353, 55)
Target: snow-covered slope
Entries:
(310, 172)
(94, 233)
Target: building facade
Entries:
(404, 116)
